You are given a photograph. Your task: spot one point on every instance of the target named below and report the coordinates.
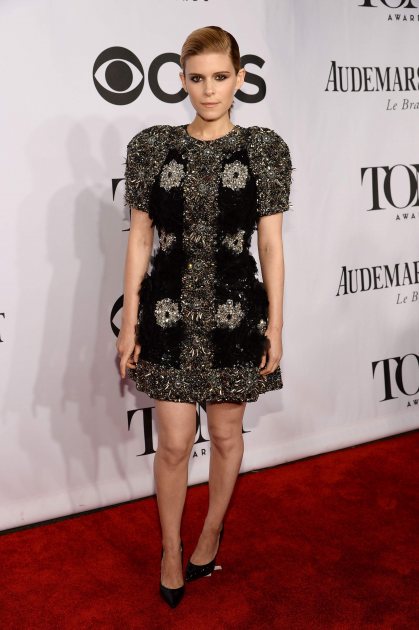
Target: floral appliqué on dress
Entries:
(171, 174)
(229, 314)
(166, 312)
(235, 175)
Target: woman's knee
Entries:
(225, 425)
(176, 431)
(174, 452)
(226, 439)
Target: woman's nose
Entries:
(209, 89)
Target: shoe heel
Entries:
(196, 571)
(172, 596)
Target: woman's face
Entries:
(211, 82)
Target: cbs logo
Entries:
(119, 77)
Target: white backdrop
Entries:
(72, 435)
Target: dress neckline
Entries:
(226, 135)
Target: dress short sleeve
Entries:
(272, 166)
(139, 168)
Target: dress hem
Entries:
(235, 384)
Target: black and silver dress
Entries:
(203, 312)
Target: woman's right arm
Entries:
(140, 245)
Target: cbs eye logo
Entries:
(119, 77)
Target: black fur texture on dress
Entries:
(236, 280)
(158, 345)
(167, 267)
(166, 206)
(235, 273)
(244, 344)
(162, 345)
(237, 207)
(237, 276)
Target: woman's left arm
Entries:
(271, 256)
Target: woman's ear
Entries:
(240, 75)
(182, 79)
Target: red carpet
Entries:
(325, 542)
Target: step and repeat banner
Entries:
(339, 81)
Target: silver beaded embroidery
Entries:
(269, 162)
(166, 240)
(229, 314)
(234, 241)
(198, 237)
(166, 312)
(200, 187)
(262, 325)
(235, 175)
(171, 174)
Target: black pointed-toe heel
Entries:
(172, 596)
(195, 571)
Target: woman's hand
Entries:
(272, 356)
(128, 350)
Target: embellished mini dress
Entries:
(203, 312)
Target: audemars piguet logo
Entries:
(398, 376)
(373, 79)
(404, 276)
(393, 187)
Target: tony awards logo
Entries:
(395, 187)
(398, 376)
(395, 10)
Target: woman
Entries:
(201, 327)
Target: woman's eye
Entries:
(219, 76)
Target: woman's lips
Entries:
(209, 104)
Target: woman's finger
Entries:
(263, 361)
(126, 362)
(137, 351)
(271, 367)
(131, 364)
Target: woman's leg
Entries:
(176, 427)
(225, 421)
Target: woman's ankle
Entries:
(171, 545)
(212, 528)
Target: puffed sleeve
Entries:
(271, 164)
(139, 171)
